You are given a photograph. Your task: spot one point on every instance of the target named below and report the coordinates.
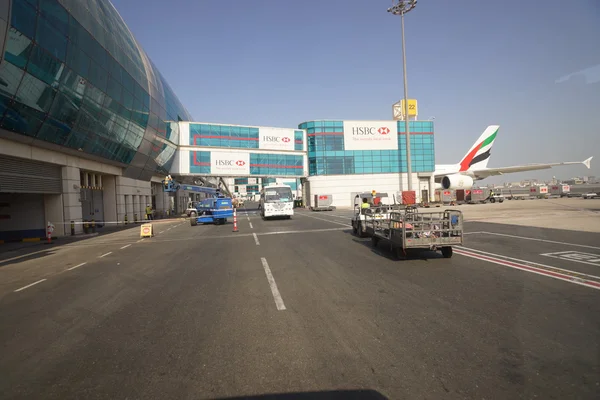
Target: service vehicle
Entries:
(213, 210)
(379, 208)
(413, 230)
(590, 195)
(276, 200)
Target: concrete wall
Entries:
(121, 196)
(341, 187)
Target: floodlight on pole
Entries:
(400, 8)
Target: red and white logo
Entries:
(383, 130)
(285, 139)
(240, 163)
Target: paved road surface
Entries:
(301, 306)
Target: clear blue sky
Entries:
(471, 63)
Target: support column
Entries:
(129, 208)
(109, 198)
(71, 200)
(432, 188)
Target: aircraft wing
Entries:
(484, 173)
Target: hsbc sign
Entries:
(276, 139)
(370, 135)
(230, 163)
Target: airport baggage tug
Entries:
(402, 231)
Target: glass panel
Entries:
(64, 110)
(18, 48)
(45, 67)
(35, 93)
(54, 131)
(51, 39)
(56, 15)
(23, 18)
(10, 78)
(22, 119)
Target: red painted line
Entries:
(529, 268)
(326, 134)
(341, 133)
(276, 166)
(221, 137)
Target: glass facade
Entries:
(240, 137)
(73, 75)
(261, 164)
(326, 154)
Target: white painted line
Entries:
(30, 285)
(533, 270)
(323, 219)
(126, 246)
(104, 255)
(576, 256)
(77, 266)
(542, 240)
(529, 262)
(251, 227)
(302, 231)
(256, 239)
(141, 240)
(248, 217)
(472, 233)
(273, 285)
(161, 232)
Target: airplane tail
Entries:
(588, 162)
(479, 154)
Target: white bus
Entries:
(276, 201)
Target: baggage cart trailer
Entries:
(437, 230)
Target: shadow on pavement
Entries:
(383, 250)
(321, 395)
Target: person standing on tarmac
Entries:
(148, 212)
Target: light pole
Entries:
(401, 8)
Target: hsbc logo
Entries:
(230, 163)
(366, 130)
(276, 139)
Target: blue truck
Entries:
(214, 210)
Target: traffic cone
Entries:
(235, 228)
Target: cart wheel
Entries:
(447, 252)
(492, 200)
(400, 253)
(354, 230)
(374, 241)
(501, 200)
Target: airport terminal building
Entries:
(89, 128)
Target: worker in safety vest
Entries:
(365, 203)
(149, 212)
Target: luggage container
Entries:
(445, 196)
(541, 192)
(323, 203)
(560, 190)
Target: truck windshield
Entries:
(278, 195)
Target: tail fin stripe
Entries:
(481, 157)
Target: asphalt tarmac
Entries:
(301, 308)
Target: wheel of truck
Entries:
(354, 230)
(193, 221)
(193, 214)
(447, 251)
(501, 200)
(492, 200)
